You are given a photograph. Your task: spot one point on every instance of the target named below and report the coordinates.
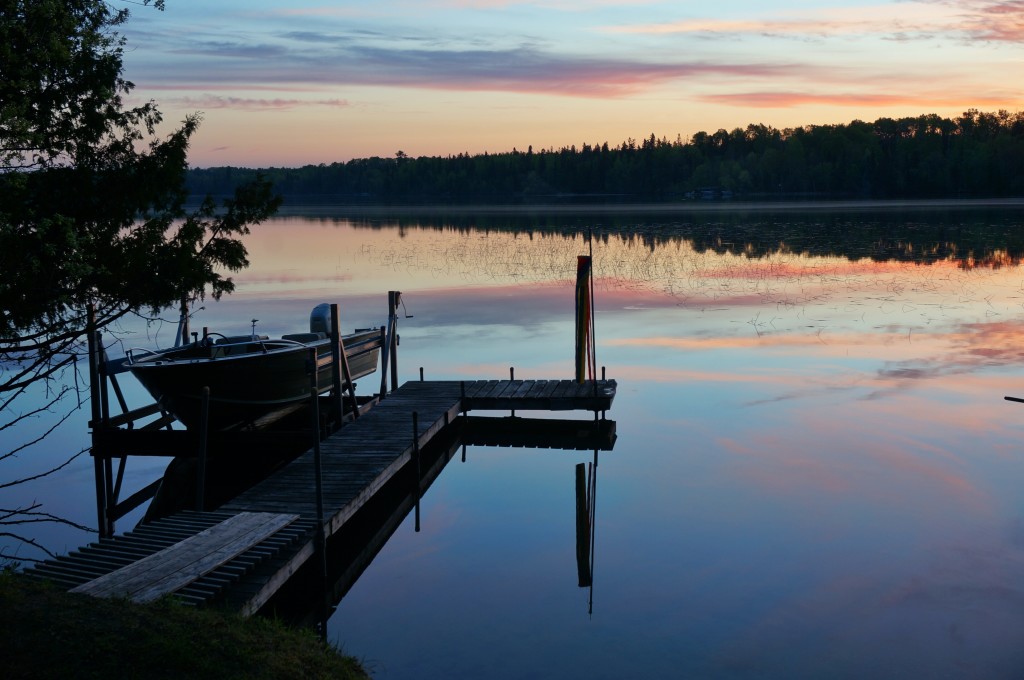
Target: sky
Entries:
(284, 83)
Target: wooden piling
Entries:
(204, 427)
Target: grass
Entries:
(48, 633)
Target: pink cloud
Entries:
(992, 21)
(980, 20)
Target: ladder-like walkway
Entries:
(255, 542)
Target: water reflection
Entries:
(310, 597)
(969, 232)
(586, 526)
(816, 475)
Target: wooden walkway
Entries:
(356, 461)
(178, 565)
(96, 560)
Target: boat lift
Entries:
(118, 436)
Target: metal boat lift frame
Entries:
(119, 436)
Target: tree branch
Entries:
(60, 467)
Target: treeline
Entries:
(975, 155)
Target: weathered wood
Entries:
(556, 395)
(357, 461)
(180, 564)
(132, 416)
(523, 390)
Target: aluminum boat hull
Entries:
(247, 379)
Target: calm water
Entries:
(816, 474)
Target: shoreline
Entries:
(295, 207)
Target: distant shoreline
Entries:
(295, 207)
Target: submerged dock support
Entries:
(416, 458)
(319, 538)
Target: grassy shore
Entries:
(48, 633)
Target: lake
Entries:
(816, 473)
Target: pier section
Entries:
(242, 554)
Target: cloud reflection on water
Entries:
(814, 457)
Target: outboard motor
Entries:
(320, 319)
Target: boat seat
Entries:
(305, 337)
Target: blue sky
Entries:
(287, 84)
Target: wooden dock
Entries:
(253, 544)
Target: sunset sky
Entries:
(293, 83)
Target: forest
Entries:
(975, 155)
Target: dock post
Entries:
(389, 354)
(394, 299)
(319, 538)
(337, 399)
(317, 470)
(204, 427)
(109, 495)
(95, 398)
(462, 408)
(416, 457)
(341, 373)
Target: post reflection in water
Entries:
(586, 526)
(310, 600)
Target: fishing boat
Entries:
(249, 376)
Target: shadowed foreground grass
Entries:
(48, 633)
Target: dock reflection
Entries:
(586, 508)
(309, 597)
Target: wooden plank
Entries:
(523, 390)
(537, 389)
(565, 387)
(494, 387)
(132, 416)
(504, 387)
(180, 564)
(550, 388)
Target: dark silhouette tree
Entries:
(91, 206)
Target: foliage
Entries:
(973, 155)
(93, 638)
(92, 199)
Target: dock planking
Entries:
(94, 563)
(356, 462)
(182, 563)
(359, 458)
